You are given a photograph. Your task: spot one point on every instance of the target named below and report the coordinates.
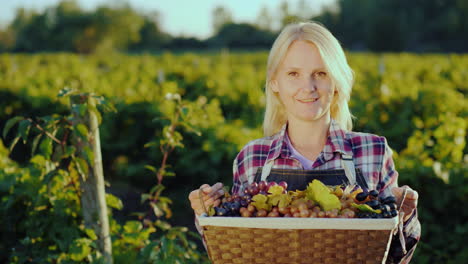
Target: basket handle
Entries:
(401, 216)
(200, 196)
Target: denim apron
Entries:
(298, 179)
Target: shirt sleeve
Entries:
(412, 227)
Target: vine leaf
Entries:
(10, 123)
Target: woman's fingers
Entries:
(411, 199)
(210, 196)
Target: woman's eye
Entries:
(293, 74)
(321, 74)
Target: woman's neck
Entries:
(309, 138)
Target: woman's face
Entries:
(303, 83)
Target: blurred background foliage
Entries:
(417, 26)
(417, 101)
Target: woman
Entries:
(307, 129)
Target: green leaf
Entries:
(157, 189)
(320, 193)
(82, 131)
(91, 234)
(276, 190)
(46, 147)
(82, 166)
(38, 160)
(10, 123)
(82, 108)
(150, 144)
(23, 129)
(35, 143)
(13, 143)
(151, 168)
(69, 151)
(169, 174)
(133, 227)
(145, 197)
(157, 210)
(113, 201)
(280, 200)
(80, 249)
(89, 155)
(162, 225)
(211, 211)
(366, 208)
(260, 202)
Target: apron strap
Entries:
(348, 166)
(267, 169)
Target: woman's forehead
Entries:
(302, 54)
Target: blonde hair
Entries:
(335, 62)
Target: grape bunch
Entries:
(236, 204)
(271, 199)
(387, 206)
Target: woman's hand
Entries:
(210, 196)
(411, 200)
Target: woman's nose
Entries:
(311, 84)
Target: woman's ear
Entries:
(274, 86)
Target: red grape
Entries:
(253, 190)
(262, 213)
(273, 214)
(246, 213)
(262, 185)
(271, 184)
(283, 184)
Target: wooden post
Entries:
(93, 195)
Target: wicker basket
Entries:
(297, 240)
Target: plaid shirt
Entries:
(370, 153)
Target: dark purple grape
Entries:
(244, 203)
(234, 206)
(393, 213)
(374, 193)
(221, 211)
(374, 204)
(263, 192)
(364, 215)
(361, 196)
(392, 206)
(384, 208)
(386, 215)
(389, 200)
(246, 197)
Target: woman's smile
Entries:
(309, 100)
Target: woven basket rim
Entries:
(301, 223)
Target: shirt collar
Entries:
(336, 142)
